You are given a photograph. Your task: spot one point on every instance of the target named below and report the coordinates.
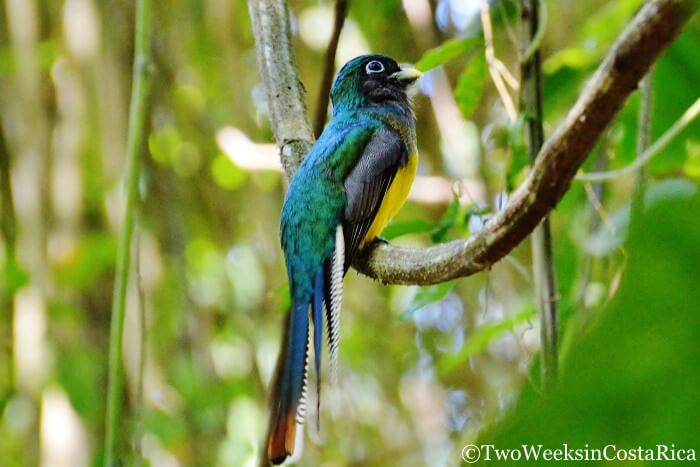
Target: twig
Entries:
(542, 257)
(597, 214)
(494, 69)
(341, 11)
(507, 76)
(137, 123)
(594, 195)
(650, 32)
(680, 125)
(541, 21)
(508, 27)
(643, 140)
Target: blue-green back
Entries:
(315, 200)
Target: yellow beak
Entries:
(406, 75)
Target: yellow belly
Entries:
(393, 200)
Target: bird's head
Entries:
(372, 79)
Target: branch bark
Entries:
(284, 91)
(651, 31)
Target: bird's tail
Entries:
(290, 406)
(290, 380)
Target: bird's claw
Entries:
(380, 241)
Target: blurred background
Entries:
(423, 370)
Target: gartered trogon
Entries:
(351, 183)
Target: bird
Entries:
(351, 183)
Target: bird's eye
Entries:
(375, 66)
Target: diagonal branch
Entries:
(652, 151)
(341, 11)
(651, 31)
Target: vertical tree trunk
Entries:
(542, 258)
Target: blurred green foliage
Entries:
(629, 381)
(448, 50)
(470, 84)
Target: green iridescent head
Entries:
(372, 79)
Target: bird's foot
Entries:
(380, 241)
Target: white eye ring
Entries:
(375, 66)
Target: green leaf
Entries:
(691, 166)
(594, 37)
(470, 85)
(438, 231)
(399, 229)
(448, 50)
(80, 373)
(519, 157)
(15, 277)
(426, 295)
(448, 220)
(481, 339)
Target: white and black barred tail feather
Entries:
(301, 408)
(334, 301)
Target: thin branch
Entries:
(651, 31)
(644, 158)
(494, 69)
(596, 214)
(541, 21)
(646, 91)
(341, 11)
(507, 76)
(506, 23)
(138, 110)
(542, 257)
(594, 193)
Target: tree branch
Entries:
(138, 109)
(640, 44)
(341, 11)
(284, 91)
